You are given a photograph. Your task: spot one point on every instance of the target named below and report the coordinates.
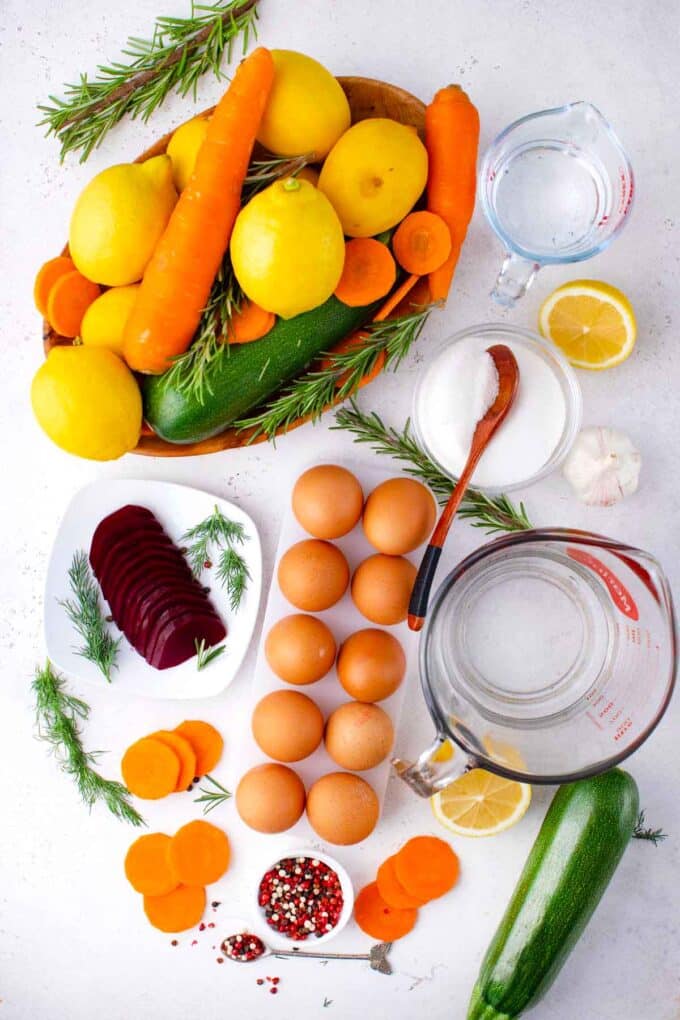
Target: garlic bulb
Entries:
(603, 466)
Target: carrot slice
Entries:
(150, 769)
(199, 853)
(177, 910)
(391, 889)
(48, 274)
(184, 751)
(368, 274)
(378, 919)
(206, 742)
(69, 299)
(250, 323)
(427, 867)
(422, 242)
(147, 865)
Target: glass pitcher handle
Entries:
(427, 776)
(516, 276)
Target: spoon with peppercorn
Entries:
(244, 947)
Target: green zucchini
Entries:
(588, 826)
(244, 376)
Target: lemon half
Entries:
(591, 322)
(480, 803)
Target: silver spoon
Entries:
(376, 956)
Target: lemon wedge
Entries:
(480, 803)
(591, 322)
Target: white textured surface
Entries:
(73, 943)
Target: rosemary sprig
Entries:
(641, 831)
(232, 569)
(309, 395)
(58, 718)
(179, 52)
(263, 172)
(493, 513)
(86, 615)
(204, 656)
(212, 798)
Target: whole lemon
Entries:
(287, 248)
(183, 149)
(307, 110)
(374, 175)
(88, 402)
(119, 218)
(104, 321)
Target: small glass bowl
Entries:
(347, 899)
(562, 370)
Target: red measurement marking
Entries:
(621, 597)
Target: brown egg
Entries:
(371, 665)
(313, 575)
(342, 808)
(270, 798)
(359, 736)
(381, 588)
(300, 649)
(399, 516)
(327, 501)
(287, 725)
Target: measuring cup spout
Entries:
(516, 276)
(427, 775)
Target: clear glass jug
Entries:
(556, 187)
(547, 656)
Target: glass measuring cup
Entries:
(547, 656)
(556, 186)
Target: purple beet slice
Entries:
(135, 546)
(171, 611)
(177, 642)
(148, 567)
(162, 582)
(149, 606)
(118, 524)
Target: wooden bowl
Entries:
(367, 98)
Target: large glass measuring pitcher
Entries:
(556, 187)
(547, 656)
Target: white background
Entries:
(73, 942)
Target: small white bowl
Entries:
(347, 899)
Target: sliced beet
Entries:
(145, 596)
(159, 609)
(173, 609)
(117, 524)
(177, 642)
(139, 544)
(143, 569)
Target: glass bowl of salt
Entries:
(460, 383)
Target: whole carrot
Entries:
(451, 138)
(179, 275)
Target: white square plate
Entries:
(178, 508)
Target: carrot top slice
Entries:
(48, 274)
(206, 742)
(250, 323)
(147, 865)
(184, 751)
(378, 919)
(150, 769)
(177, 910)
(422, 242)
(368, 274)
(70, 297)
(199, 853)
(392, 891)
(426, 867)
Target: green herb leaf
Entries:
(641, 831)
(85, 614)
(212, 798)
(492, 513)
(204, 656)
(220, 532)
(58, 718)
(179, 52)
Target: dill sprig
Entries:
(217, 531)
(309, 395)
(212, 798)
(58, 718)
(86, 615)
(205, 655)
(493, 513)
(179, 52)
(641, 831)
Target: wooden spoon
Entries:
(508, 379)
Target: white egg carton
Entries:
(343, 619)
